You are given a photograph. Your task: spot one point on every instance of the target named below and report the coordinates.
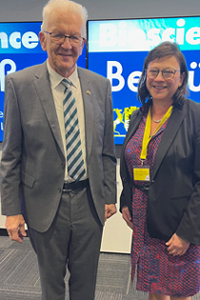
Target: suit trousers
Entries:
(72, 241)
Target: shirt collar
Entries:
(56, 78)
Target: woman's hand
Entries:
(127, 217)
(177, 246)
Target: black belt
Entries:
(144, 188)
(75, 185)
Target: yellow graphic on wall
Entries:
(122, 118)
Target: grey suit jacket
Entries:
(174, 191)
(33, 162)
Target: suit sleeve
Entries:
(11, 153)
(126, 195)
(189, 227)
(108, 153)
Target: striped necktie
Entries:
(75, 162)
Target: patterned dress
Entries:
(157, 271)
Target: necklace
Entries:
(157, 121)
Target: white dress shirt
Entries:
(58, 95)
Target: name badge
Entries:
(141, 174)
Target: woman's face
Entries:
(160, 87)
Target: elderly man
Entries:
(58, 162)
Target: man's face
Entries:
(62, 58)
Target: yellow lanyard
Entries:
(147, 137)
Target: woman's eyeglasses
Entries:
(167, 73)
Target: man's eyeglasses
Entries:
(59, 38)
(167, 73)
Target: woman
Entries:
(160, 171)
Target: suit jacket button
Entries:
(59, 190)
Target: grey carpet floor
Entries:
(19, 277)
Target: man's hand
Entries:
(110, 209)
(15, 226)
(127, 217)
(177, 246)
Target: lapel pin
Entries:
(88, 92)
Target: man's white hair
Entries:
(53, 6)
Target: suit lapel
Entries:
(132, 128)
(43, 88)
(169, 134)
(88, 102)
